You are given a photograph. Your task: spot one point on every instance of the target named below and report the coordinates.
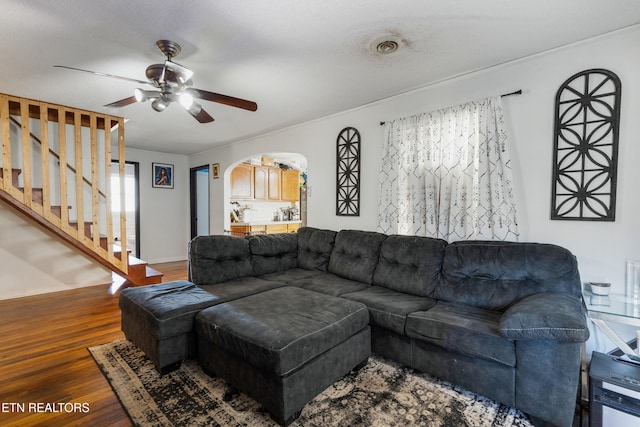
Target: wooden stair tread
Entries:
(133, 261)
(153, 272)
(153, 276)
(141, 274)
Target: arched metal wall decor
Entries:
(348, 172)
(585, 155)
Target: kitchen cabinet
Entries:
(276, 228)
(275, 183)
(261, 187)
(243, 230)
(242, 182)
(293, 227)
(264, 183)
(271, 228)
(291, 185)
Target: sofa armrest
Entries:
(546, 316)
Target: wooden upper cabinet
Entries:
(242, 182)
(260, 182)
(291, 185)
(264, 183)
(275, 182)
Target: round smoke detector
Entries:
(386, 44)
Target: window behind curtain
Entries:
(447, 174)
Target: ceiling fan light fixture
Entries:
(140, 95)
(185, 99)
(159, 104)
(194, 108)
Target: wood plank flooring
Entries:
(44, 357)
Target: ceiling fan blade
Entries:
(123, 102)
(202, 116)
(103, 74)
(224, 99)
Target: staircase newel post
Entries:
(5, 183)
(107, 188)
(123, 216)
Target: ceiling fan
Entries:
(173, 82)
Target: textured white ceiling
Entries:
(298, 59)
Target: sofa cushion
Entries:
(238, 288)
(494, 275)
(463, 329)
(271, 253)
(410, 264)
(282, 329)
(548, 316)
(388, 308)
(355, 255)
(329, 284)
(314, 248)
(291, 275)
(164, 310)
(215, 259)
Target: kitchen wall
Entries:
(601, 247)
(262, 211)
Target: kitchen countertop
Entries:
(262, 222)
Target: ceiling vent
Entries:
(385, 45)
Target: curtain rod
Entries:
(517, 92)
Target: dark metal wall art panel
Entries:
(585, 155)
(348, 172)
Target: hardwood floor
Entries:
(44, 357)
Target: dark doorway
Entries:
(199, 201)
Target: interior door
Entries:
(199, 201)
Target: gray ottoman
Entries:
(284, 346)
(159, 320)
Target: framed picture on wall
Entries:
(215, 170)
(162, 175)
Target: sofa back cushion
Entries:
(494, 275)
(271, 253)
(355, 255)
(314, 248)
(410, 264)
(215, 259)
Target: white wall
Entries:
(33, 261)
(164, 213)
(601, 248)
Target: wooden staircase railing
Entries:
(66, 177)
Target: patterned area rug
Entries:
(382, 393)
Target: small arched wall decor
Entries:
(585, 155)
(348, 172)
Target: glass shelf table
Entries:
(614, 308)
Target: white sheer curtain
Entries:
(447, 174)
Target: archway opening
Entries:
(265, 194)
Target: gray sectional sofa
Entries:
(502, 319)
